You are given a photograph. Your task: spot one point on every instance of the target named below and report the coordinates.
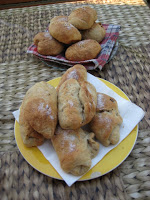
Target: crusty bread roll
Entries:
(63, 31)
(75, 149)
(83, 18)
(40, 109)
(77, 72)
(107, 120)
(83, 50)
(96, 32)
(47, 45)
(76, 104)
(29, 136)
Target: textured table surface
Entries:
(129, 70)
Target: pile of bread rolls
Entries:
(59, 114)
(77, 35)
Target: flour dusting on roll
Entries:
(47, 45)
(81, 110)
(83, 18)
(63, 31)
(107, 120)
(77, 72)
(75, 149)
(83, 50)
(39, 109)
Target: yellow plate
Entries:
(114, 158)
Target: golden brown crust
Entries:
(77, 72)
(33, 138)
(88, 99)
(93, 146)
(106, 122)
(63, 31)
(83, 50)
(69, 107)
(47, 45)
(40, 108)
(29, 136)
(96, 32)
(83, 18)
(76, 104)
(105, 102)
(75, 149)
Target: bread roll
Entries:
(96, 32)
(47, 45)
(83, 50)
(107, 120)
(40, 109)
(29, 136)
(63, 31)
(75, 149)
(83, 18)
(77, 72)
(76, 104)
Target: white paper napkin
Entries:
(131, 114)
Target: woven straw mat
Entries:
(31, 184)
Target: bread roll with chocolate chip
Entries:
(107, 120)
(63, 31)
(83, 18)
(76, 104)
(83, 50)
(47, 45)
(39, 109)
(96, 32)
(75, 149)
(77, 72)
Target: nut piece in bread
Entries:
(83, 18)
(63, 31)
(96, 32)
(83, 50)
(40, 109)
(47, 45)
(75, 149)
(107, 120)
(77, 72)
(76, 104)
